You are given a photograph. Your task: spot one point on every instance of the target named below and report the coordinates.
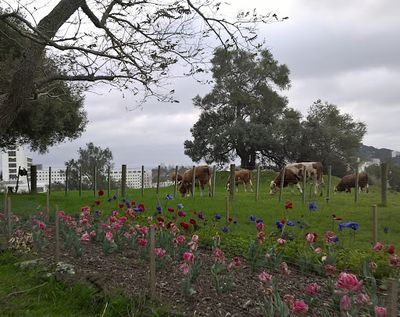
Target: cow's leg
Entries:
(251, 185)
(209, 187)
(299, 188)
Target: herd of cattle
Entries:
(293, 174)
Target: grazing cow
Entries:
(178, 178)
(294, 174)
(242, 176)
(202, 177)
(349, 181)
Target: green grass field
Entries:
(243, 206)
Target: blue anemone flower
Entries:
(279, 225)
(159, 209)
(253, 218)
(179, 206)
(97, 213)
(169, 197)
(351, 225)
(217, 217)
(200, 215)
(225, 229)
(114, 197)
(291, 223)
(312, 206)
(386, 229)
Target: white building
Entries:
(395, 154)
(133, 177)
(57, 176)
(13, 159)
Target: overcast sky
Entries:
(344, 52)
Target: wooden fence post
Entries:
(328, 191)
(283, 171)
(49, 189)
(80, 181)
(57, 223)
(384, 175)
(227, 208)
(158, 179)
(123, 181)
(66, 180)
(176, 180)
(33, 179)
(374, 224)
(152, 263)
(94, 180)
(232, 183)
(356, 184)
(193, 180)
(108, 180)
(47, 206)
(214, 177)
(142, 180)
(304, 184)
(258, 182)
(393, 296)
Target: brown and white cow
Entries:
(349, 181)
(242, 176)
(178, 177)
(294, 173)
(202, 177)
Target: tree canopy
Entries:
(128, 44)
(90, 157)
(332, 137)
(54, 115)
(243, 115)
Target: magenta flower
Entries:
(142, 242)
(345, 303)
(83, 221)
(219, 255)
(160, 252)
(188, 257)
(312, 289)
(281, 241)
(195, 238)
(362, 299)
(394, 260)
(184, 267)
(85, 237)
(311, 237)
(180, 239)
(380, 311)
(113, 219)
(260, 226)
(144, 230)
(127, 235)
(318, 250)
(265, 277)
(299, 307)
(92, 234)
(109, 236)
(378, 247)
(235, 263)
(123, 219)
(349, 282)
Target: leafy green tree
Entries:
(243, 115)
(90, 157)
(55, 113)
(332, 137)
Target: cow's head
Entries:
(228, 185)
(273, 188)
(340, 188)
(184, 189)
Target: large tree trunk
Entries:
(248, 160)
(23, 81)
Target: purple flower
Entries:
(253, 218)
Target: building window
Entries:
(12, 153)
(12, 171)
(12, 159)
(12, 165)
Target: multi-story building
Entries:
(133, 177)
(57, 175)
(12, 159)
